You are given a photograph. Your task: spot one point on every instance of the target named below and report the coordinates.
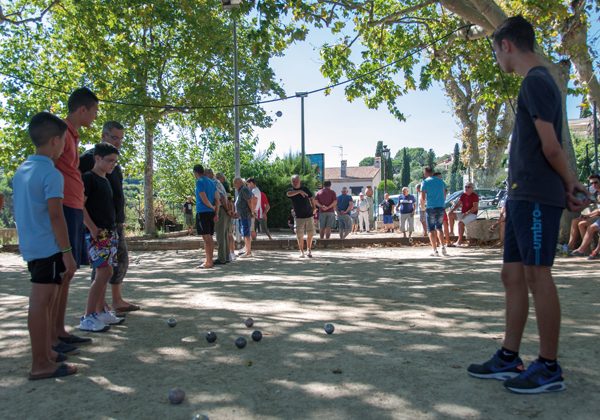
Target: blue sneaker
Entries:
(536, 380)
(496, 368)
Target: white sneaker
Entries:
(435, 253)
(444, 251)
(109, 318)
(232, 257)
(92, 323)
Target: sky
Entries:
(332, 121)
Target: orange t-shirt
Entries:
(68, 165)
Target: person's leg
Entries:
(461, 232)
(574, 235)
(403, 219)
(547, 308)
(95, 295)
(411, 224)
(300, 228)
(119, 272)
(446, 232)
(310, 232)
(221, 234)
(587, 239)
(451, 220)
(38, 324)
(265, 228)
(440, 237)
(208, 250)
(516, 304)
(322, 223)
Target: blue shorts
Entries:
(435, 219)
(387, 219)
(75, 228)
(531, 233)
(245, 227)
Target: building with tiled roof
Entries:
(355, 178)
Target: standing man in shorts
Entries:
(113, 133)
(304, 207)
(433, 194)
(468, 203)
(207, 213)
(326, 202)
(407, 204)
(387, 207)
(540, 183)
(83, 110)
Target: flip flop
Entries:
(129, 308)
(74, 339)
(62, 370)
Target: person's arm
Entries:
(475, 208)
(333, 205)
(217, 204)
(423, 199)
(205, 200)
(557, 158)
(292, 193)
(59, 227)
(88, 222)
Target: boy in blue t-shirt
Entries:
(43, 239)
(541, 184)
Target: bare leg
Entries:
(587, 239)
(547, 308)
(38, 323)
(461, 232)
(248, 244)
(517, 304)
(451, 219)
(96, 293)
(433, 240)
(60, 308)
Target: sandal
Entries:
(62, 370)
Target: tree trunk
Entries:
(149, 222)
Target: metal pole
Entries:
(302, 130)
(236, 110)
(384, 178)
(595, 128)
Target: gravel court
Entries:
(406, 327)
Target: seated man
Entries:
(579, 225)
(468, 202)
(588, 237)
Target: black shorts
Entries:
(531, 233)
(76, 231)
(205, 223)
(47, 270)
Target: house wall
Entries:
(362, 183)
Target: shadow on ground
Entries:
(407, 326)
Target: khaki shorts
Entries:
(466, 218)
(305, 225)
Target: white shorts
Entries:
(466, 218)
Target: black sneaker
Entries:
(65, 348)
(536, 380)
(496, 368)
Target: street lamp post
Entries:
(385, 153)
(302, 95)
(229, 5)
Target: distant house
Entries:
(355, 178)
(582, 127)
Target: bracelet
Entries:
(67, 250)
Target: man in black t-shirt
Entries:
(304, 207)
(387, 207)
(188, 213)
(540, 184)
(113, 133)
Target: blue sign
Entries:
(317, 162)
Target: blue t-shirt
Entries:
(406, 203)
(530, 176)
(435, 189)
(208, 187)
(343, 201)
(35, 182)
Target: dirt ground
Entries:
(407, 326)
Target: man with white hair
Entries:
(468, 202)
(304, 207)
(363, 213)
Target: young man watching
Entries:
(540, 184)
(102, 240)
(113, 134)
(83, 110)
(43, 239)
(207, 213)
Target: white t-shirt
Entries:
(257, 209)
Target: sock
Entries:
(508, 355)
(550, 364)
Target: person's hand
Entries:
(303, 194)
(94, 232)
(578, 196)
(70, 265)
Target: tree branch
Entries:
(467, 11)
(5, 18)
(395, 17)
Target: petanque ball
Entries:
(249, 322)
(240, 342)
(279, 113)
(176, 395)
(172, 322)
(257, 336)
(329, 328)
(211, 337)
